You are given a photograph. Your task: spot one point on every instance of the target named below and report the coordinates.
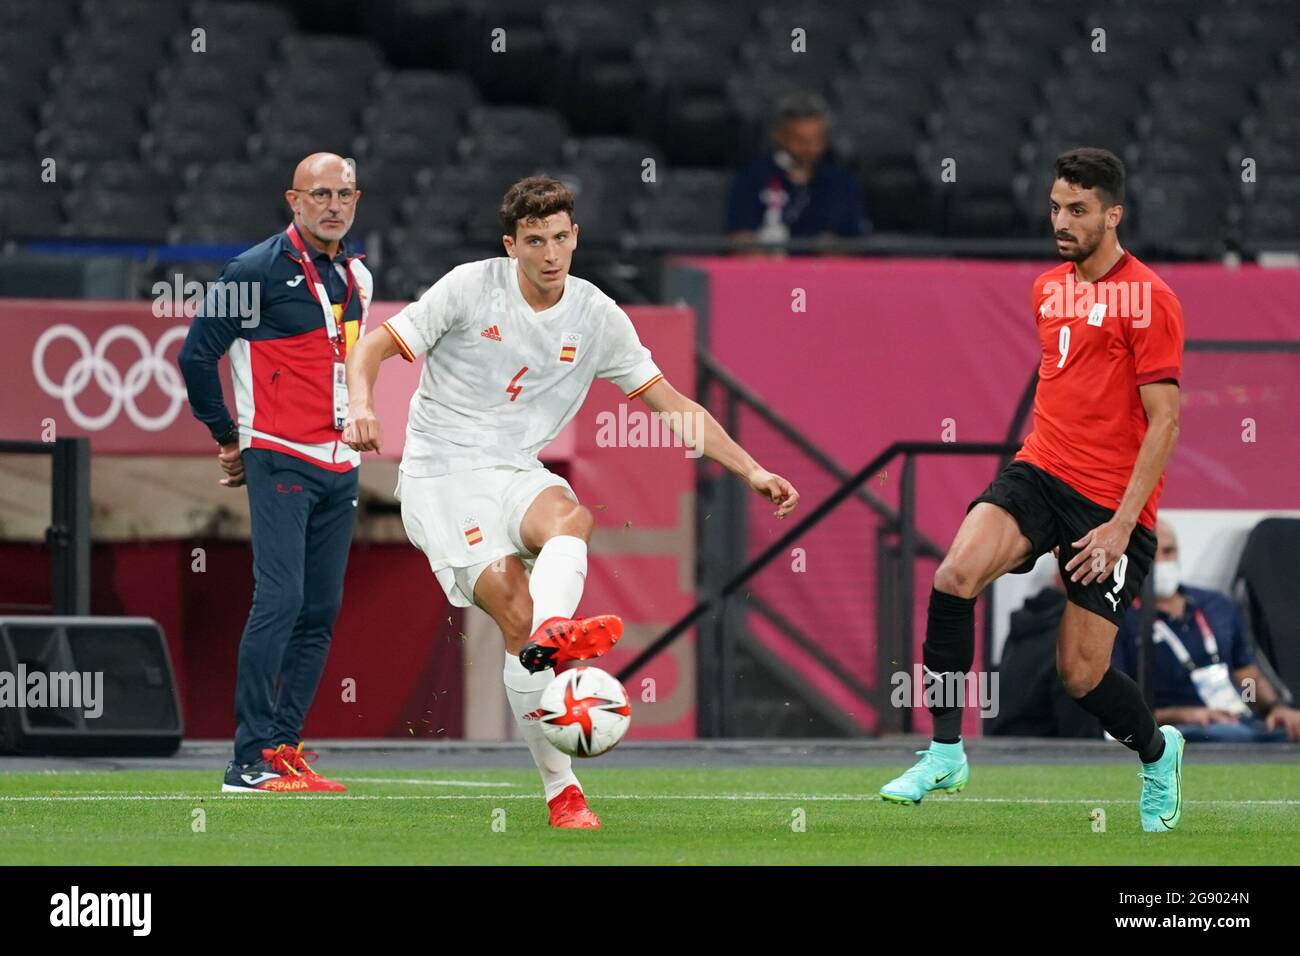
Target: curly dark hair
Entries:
(534, 197)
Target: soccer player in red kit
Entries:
(1085, 484)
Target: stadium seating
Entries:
(118, 91)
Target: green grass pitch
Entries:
(1233, 814)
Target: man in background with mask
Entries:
(796, 191)
(1203, 661)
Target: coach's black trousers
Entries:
(302, 518)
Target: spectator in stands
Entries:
(796, 191)
(310, 296)
(1203, 662)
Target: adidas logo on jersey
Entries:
(493, 333)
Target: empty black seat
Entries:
(229, 217)
(454, 195)
(356, 58)
(998, 94)
(546, 128)
(178, 148)
(981, 164)
(870, 138)
(20, 129)
(77, 79)
(242, 18)
(600, 206)
(345, 94)
(684, 203)
(123, 177)
(238, 177)
(104, 214)
(123, 120)
(126, 51)
(196, 80)
(1178, 215)
(505, 149)
(28, 213)
(427, 117)
(70, 144)
(288, 145)
(1278, 98)
(426, 86)
(1271, 224)
(590, 31)
(215, 117)
(409, 148)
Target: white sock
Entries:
(557, 579)
(524, 691)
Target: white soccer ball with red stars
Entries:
(584, 712)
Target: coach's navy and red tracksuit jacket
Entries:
(282, 365)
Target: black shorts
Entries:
(1052, 514)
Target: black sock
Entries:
(1118, 704)
(949, 647)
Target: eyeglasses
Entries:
(321, 196)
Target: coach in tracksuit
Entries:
(302, 301)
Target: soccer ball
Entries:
(584, 712)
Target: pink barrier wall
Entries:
(886, 350)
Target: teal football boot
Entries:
(942, 767)
(1161, 805)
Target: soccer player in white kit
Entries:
(511, 346)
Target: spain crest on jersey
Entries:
(469, 525)
(569, 343)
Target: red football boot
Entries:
(558, 640)
(276, 772)
(569, 810)
(301, 760)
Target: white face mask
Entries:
(1168, 576)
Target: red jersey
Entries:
(1101, 341)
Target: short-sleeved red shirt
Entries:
(1101, 341)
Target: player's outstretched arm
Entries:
(362, 431)
(1101, 547)
(711, 439)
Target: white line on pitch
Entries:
(719, 797)
(431, 783)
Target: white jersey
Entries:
(500, 381)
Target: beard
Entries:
(1082, 248)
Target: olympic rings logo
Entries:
(122, 391)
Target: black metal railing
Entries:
(68, 534)
(725, 500)
(714, 690)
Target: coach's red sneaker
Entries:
(301, 760)
(276, 772)
(569, 810)
(558, 640)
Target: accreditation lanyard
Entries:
(1213, 682)
(1166, 633)
(338, 339)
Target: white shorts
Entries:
(465, 521)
